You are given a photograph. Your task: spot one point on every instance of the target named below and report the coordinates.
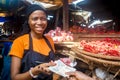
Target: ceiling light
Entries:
(77, 1)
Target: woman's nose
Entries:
(39, 21)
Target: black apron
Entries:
(30, 57)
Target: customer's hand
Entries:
(77, 75)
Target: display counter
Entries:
(108, 63)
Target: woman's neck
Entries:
(37, 36)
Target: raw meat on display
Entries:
(59, 35)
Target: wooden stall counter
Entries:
(85, 36)
(108, 63)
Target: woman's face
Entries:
(38, 22)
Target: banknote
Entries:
(61, 68)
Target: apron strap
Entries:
(47, 41)
(30, 42)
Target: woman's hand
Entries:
(43, 68)
(77, 75)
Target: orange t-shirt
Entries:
(22, 43)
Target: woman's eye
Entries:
(34, 19)
(43, 19)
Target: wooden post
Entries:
(57, 17)
(65, 15)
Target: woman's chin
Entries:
(39, 32)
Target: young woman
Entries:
(33, 51)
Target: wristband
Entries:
(31, 74)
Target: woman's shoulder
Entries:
(48, 37)
(22, 38)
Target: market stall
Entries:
(94, 50)
(80, 27)
(105, 58)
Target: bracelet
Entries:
(31, 74)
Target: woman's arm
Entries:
(15, 70)
(16, 65)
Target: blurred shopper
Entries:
(5, 74)
(7, 28)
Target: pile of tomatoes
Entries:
(106, 46)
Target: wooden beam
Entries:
(65, 15)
